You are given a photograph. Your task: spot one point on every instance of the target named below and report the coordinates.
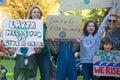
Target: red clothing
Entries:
(2, 49)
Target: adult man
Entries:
(114, 31)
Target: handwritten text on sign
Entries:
(64, 26)
(106, 63)
(68, 5)
(23, 33)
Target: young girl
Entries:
(89, 44)
(107, 45)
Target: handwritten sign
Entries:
(23, 33)
(64, 26)
(67, 5)
(106, 63)
(2, 2)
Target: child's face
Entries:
(107, 47)
(91, 28)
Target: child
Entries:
(107, 45)
(89, 44)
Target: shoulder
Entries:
(119, 28)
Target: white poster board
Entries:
(64, 27)
(68, 5)
(2, 2)
(23, 33)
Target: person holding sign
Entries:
(114, 31)
(107, 45)
(66, 67)
(25, 64)
(43, 55)
(27, 58)
(89, 44)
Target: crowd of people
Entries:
(67, 64)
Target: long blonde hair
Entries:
(31, 9)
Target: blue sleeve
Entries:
(104, 24)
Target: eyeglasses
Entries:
(114, 21)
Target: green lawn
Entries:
(9, 64)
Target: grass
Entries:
(9, 64)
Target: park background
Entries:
(18, 9)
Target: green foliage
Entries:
(9, 65)
(18, 9)
(96, 14)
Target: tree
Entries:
(96, 14)
(18, 9)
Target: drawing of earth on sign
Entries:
(62, 34)
(21, 34)
(86, 1)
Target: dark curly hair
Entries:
(85, 32)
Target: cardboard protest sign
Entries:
(2, 2)
(23, 33)
(64, 26)
(68, 5)
(116, 7)
(106, 63)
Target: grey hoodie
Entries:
(90, 43)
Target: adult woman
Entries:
(43, 56)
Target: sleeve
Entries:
(103, 24)
(102, 27)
